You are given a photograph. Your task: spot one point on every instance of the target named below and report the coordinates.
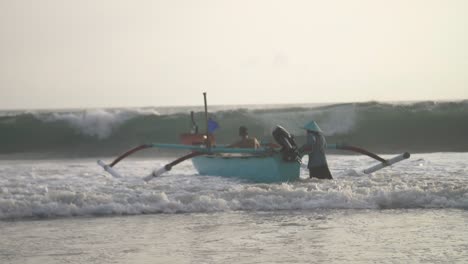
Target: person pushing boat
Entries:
(315, 147)
(245, 141)
(269, 163)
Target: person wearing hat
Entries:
(246, 141)
(315, 147)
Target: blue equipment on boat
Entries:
(266, 164)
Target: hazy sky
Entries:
(108, 53)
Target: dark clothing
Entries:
(317, 144)
(318, 166)
(321, 172)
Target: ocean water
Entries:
(381, 127)
(70, 211)
(58, 206)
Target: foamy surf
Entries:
(68, 188)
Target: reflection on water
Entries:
(319, 236)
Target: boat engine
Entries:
(288, 145)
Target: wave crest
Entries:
(382, 127)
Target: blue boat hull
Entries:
(256, 168)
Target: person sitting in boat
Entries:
(246, 141)
(315, 147)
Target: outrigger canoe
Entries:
(256, 165)
(268, 167)
(280, 163)
(265, 165)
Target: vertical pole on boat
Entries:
(208, 141)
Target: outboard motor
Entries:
(287, 143)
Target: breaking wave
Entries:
(43, 193)
(382, 127)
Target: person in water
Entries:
(315, 147)
(245, 141)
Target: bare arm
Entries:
(256, 144)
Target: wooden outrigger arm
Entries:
(383, 162)
(196, 151)
(387, 163)
(168, 167)
(290, 151)
(203, 150)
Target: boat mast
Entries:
(208, 141)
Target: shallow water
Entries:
(319, 236)
(69, 211)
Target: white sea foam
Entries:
(74, 188)
(98, 122)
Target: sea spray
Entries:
(78, 187)
(380, 127)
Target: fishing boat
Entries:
(267, 164)
(256, 168)
(279, 162)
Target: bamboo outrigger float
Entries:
(266, 164)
